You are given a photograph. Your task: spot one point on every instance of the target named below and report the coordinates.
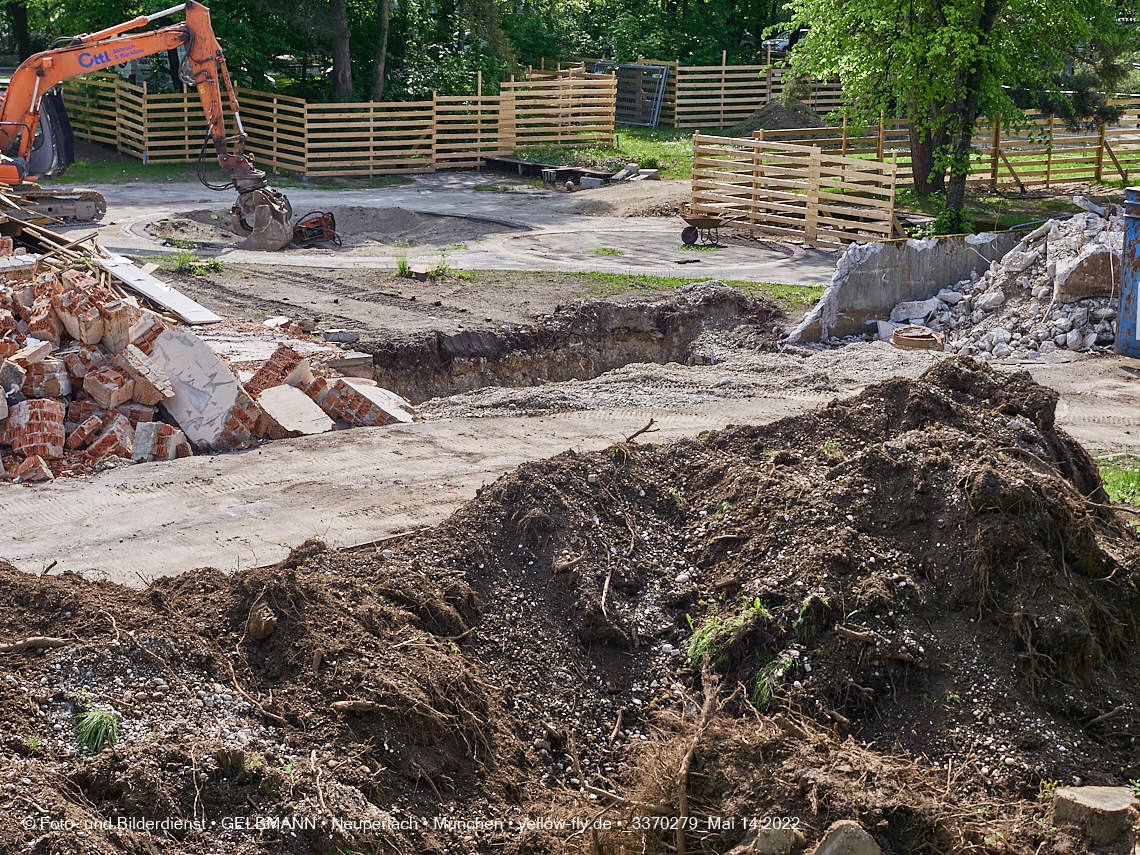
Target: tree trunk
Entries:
(18, 16)
(342, 57)
(967, 117)
(921, 159)
(172, 61)
(381, 51)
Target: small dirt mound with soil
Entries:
(361, 229)
(775, 117)
(913, 608)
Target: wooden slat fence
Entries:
(1044, 154)
(796, 190)
(354, 139)
(711, 96)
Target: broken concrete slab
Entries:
(626, 172)
(1096, 272)
(914, 311)
(588, 182)
(353, 363)
(1104, 814)
(846, 837)
(208, 403)
(294, 411)
(341, 335)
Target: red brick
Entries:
(83, 359)
(80, 316)
(274, 371)
(136, 412)
(146, 330)
(109, 387)
(152, 386)
(84, 432)
(35, 427)
(117, 438)
(47, 379)
(118, 315)
(33, 468)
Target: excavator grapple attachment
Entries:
(262, 217)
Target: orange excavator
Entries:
(36, 139)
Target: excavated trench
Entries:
(581, 341)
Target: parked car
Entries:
(784, 41)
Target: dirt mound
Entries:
(775, 117)
(912, 608)
(361, 229)
(630, 199)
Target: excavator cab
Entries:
(53, 147)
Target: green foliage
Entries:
(606, 250)
(715, 633)
(96, 728)
(1048, 788)
(945, 63)
(402, 267)
(831, 448)
(769, 680)
(1121, 477)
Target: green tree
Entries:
(943, 64)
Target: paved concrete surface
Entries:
(548, 239)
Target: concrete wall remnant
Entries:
(870, 279)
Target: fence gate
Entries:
(640, 91)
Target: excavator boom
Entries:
(262, 214)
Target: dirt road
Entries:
(248, 508)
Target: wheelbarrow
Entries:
(703, 229)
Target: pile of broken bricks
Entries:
(90, 380)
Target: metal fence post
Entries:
(1126, 319)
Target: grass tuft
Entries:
(96, 728)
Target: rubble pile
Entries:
(92, 380)
(1055, 290)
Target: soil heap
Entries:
(914, 608)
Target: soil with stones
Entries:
(914, 608)
(363, 231)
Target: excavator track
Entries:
(71, 206)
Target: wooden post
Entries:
(1099, 168)
(434, 128)
(479, 83)
(843, 146)
(118, 117)
(507, 142)
(811, 218)
(996, 155)
(723, 70)
(881, 143)
(1049, 152)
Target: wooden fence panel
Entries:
(90, 106)
(358, 139)
(794, 190)
(563, 112)
(719, 96)
(468, 129)
(278, 130)
(369, 138)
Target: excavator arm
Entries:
(261, 214)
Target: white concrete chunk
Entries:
(294, 410)
(204, 389)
